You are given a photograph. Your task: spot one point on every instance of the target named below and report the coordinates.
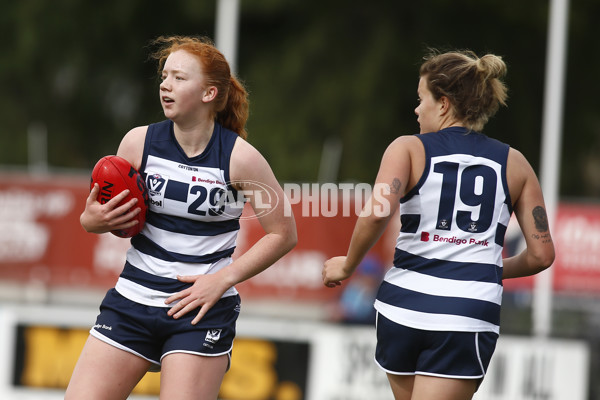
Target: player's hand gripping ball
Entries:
(114, 174)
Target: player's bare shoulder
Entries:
(246, 161)
(405, 154)
(406, 141)
(517, 167)
(518, 173)
(406, 145)
(132, 145)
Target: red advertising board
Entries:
(41, 240)
(40, 235)
(577, 238)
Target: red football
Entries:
(114, 174)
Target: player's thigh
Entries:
(189, 376)
(402, 386)
(432, 387)
(105, 372)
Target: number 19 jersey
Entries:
(447, 273)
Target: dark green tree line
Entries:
(316, 71)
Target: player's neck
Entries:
(194, 138)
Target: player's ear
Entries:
(210, 93)
(445, 105)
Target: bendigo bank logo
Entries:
(425, 237)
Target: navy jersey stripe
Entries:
(177, 191)
(409, 223)
(462, 271)
(176, 224)
(478, 144)
(161, 142)
(421, 302)
(154, 282)
(143, 244)
(500, 233)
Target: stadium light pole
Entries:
(226, 30)
(37, 147)
(550, 157)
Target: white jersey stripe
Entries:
(150, 297)
(170, 269)
(434, 286)
(191, 244)
(434, 322)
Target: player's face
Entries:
(428, 110)
(183, 86)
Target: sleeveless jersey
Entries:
(447, 273)
(192, 221)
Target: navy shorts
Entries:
(406, 351)
(151, 334)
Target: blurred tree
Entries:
(315, 71)
(350, 70)
(581, 134)
(79, 69)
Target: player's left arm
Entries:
(252, 176)
(530, 210)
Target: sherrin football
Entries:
(114, 174)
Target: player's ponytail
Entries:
(492, 69)
(234, 114)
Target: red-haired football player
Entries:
(175, 305)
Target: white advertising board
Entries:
(311, 360)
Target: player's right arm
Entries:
(100, 218)
(530, 210)
(132, 146)
(390, 185)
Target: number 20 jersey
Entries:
(447, 273)
(193, 221)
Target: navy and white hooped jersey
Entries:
(193, 217)
(447, 273)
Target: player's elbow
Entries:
(288, 239)
(548, 259)
(543, 259)
(291, 239)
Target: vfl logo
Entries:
(473, 226)
(213, 335)
(443, 224)
(155, 184)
